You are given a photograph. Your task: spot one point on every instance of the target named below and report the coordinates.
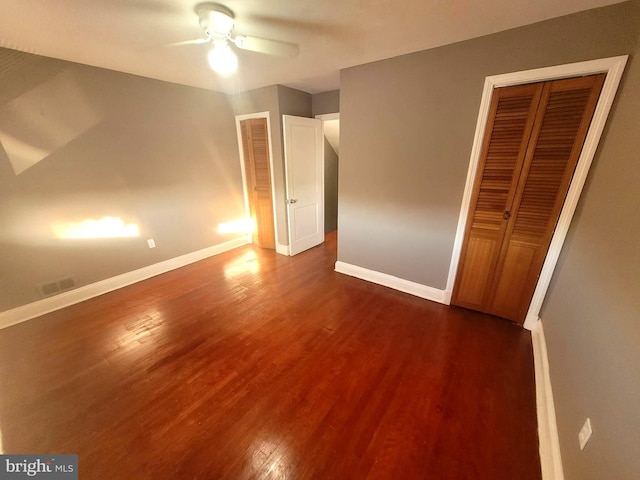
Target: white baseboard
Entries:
(390, 281)
(40, 307)
(550, 458)
(283, 249)
(447, 296)
(531, 321)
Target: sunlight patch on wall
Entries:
(105, 227)
(243, 225)
(248, 263)
(44, 119)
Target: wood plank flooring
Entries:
(255, 365)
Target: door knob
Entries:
(507, 215)
(292, 200)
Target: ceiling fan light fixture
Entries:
(222, 60)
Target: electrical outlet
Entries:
(585, 433)
(151, 242)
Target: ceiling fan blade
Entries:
(197, 41)
(264, 45)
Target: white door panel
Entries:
(304, 171)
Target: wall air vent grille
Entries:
(53, 288)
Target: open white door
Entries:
(304, 172)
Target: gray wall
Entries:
(407, 126)
(592, 310)
(255, 101)
(325, 102)
(294, 102)
(159, 155)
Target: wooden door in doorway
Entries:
(531, 146)
(257, 168)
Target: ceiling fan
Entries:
(218, 22)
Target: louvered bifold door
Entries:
(509, 125)
(561, 125)
(247, 156)
(258, 179)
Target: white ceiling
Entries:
(131, 35)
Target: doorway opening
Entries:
(331, 130)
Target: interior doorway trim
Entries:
(329, 116)
(247, 210)
(613, 67)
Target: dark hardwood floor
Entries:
(255, 365)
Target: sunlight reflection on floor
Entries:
(247, 263)
(271, 459)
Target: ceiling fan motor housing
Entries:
(216, 20)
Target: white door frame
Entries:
(613, 67)
(247, 210)
(329, 116)
(326, 117)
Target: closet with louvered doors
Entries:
(531, 146)
(255, 152)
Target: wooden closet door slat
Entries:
(247, 154)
